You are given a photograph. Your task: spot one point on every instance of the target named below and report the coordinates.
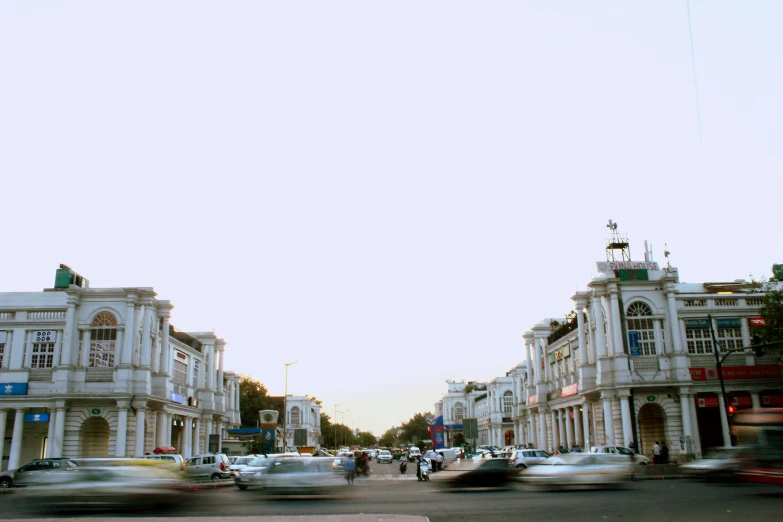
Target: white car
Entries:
(619, 450)
(384, 457)
(523, 458)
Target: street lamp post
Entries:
(285, 405)
(335, 425)
(343, 422)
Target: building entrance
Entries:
(94, 438)
(652, 427)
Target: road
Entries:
(388, 493)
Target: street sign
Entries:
(430, 418)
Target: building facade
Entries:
(98, 372)
(303, 423)
(635, 364)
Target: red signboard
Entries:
(772, 400)
(742, 400)
(764, 371)
(698, 374)
(707, 402)
(757, 321)
(571, 389)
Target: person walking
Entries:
(664, 453)
(350, 470)
(656, 453)
(440, 461)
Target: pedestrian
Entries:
(664, 453)
(350, 470)
(417, 462)
(440, 461)
(656, 453)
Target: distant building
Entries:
(98, 372)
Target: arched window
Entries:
(295, 416)
(508, 399)
(459, 413)
(103, 340)
(641, 329)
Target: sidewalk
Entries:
(268, 518)
(660, 472)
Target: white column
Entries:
(211, 370)
(600, 333)
(586, 426)
(160, 436)
(146, 337)
(562, 429)
(529, 354)
(617, 329)
(547, 366)
(84, 362)
(221, 349)
(608, 421)
(197, 438)
(122, 431)
(187, 435)
(685, 409)
(3, 419)
(59, 432)
(141, 431)
(724, 421)
(66, 351)
(674, 323)
(569, 425)
(16, 440)
(625, 412)
(165, 357)
(49, 434)
(126, 356)
(695, 423)
(578, 430)
(237, 384)
(755, 399)
(555, 430)
(584, 358)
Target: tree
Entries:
(253, 397)
(416, 427)
(389, 437)
(366, 439)
(459, 439)
(772, 312)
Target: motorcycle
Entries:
(424, 470)
(403, 467)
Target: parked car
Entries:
(176, 461)
(619, 450)
(522, 458)
(212, 466)
(384, 457)
(580, 469)
(37, 472)
(239, 463)
(449, 456)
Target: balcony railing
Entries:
(40, 375)
(38, 315)
(99, 375)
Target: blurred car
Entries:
(522, 458)
(718, 463)
(372, 453)
(489, 473)
(384, 457)
(619, 450)
(296, 476)
(38, 471)
(240, 463)
(212, 466)
(174, 460)
(481, 454)
(579, 469)
(112, 484)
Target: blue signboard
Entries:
(176, 397)
(268, 441)
(697, 324)
(36, 417)
(13, 388)
(633, 340)
(729, 322)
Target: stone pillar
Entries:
(59, 431)
(187, 439)
(724, 421)
(3, 420)
(695, 423)
(600, 333)
(578, 429)
(586, 426)
(197, 438)
(617, 329)
(165, 357)
(85, 359)
(625, 411)
(211, 367)
(529, 338)
(141, 432)
(562, 432)
(126, 355)
(160, 429)
(569, 422)
(221, 347)
(685, 399)
(755, 399)
(608, 422)
(66, 351)
(237, 384)
(547, 366)
(555, 430)
(49, 434)
(122, 428)
(581, 303)
(145, 360)
(16, 440)
(674, 322)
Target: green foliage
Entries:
(389, 437)
(253, 397)
(366, 439)
(561, 329)
(415, 427)
(772, 312)
(345, 436)
(459, 439)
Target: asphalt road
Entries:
(388, 493)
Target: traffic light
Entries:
(758, 345)
(732, 409)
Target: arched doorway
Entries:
(708, 417)
(509, 438)
(652, 427)
(94, 438)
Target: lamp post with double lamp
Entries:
(343, 422)
(285, 405)
(336, 446)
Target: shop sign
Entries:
(698, 374)
(697, 324)
(95, 411)
(742, 400)
(772, 400)
(633, 275)
(729, 322)
(176, 397)
(757, 321)
(36, 417)
(606, 266)
(533, 399)
(14, 388)
(558, 355)
(633, 341)
(766, 371)
(707, 402)
(571, 389)
(551, 358)
(567, 350)
(651, 398)
(506, 419)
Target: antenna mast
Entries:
(618, 242)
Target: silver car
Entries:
(292, 476)
(523, 458)
(718, 463)
(579, 469)
(620, 450)
(39, 471)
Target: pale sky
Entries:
(390, 193)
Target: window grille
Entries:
(729, 338)
(295, 417)
(2, 351)
(640, 321)
(180, 375)
(508, 399)
(698, 340)
(103, 340)
(459, 413)
(43, 355)
(196, 364)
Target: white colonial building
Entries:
(96, 372)
(635, 364)
(303, 422)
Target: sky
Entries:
(389, 193)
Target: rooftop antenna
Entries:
(617, 242)
(666, 254)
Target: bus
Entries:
(761, 429)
